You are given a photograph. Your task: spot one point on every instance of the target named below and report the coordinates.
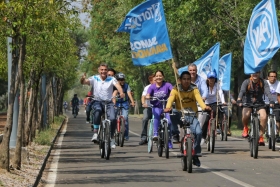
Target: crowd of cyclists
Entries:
(192, 92)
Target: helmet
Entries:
(212, 74)
(120, 76)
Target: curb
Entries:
(38, 178)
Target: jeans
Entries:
(147, 115)
(195, 128)
(88, 109)
(98, 107)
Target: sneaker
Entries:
(87, 121)
(196, 161)
(170, 145)
(142, 142)
(155, 138)
(261, 142)
(94, 138)
(175, 138)
(126, 138)
(218, 131)
(245, 132)
(113, 144)
(202, 141)
(198, 154)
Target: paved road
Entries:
(76, 162)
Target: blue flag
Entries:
(208, 62)
(149, 40)
(262, 40)
(225, 71)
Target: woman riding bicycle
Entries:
(211, 100)
(189, 95)
(161, 90)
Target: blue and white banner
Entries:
(149, 40)
(208, 62)
(225, 71)
(262, 40)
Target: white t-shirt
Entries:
(103, 90)
(144, 93)
(212, 98)
(273, 91)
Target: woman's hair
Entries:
(160, 72)
(207, 82)
(184, 73)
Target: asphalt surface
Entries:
(76, 162)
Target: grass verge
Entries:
(45, 137)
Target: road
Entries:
(76, 162)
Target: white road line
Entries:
(216, 173)
(52, 173)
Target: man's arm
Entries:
(243, 89)
(203, 89)
(83, 80)
(120, 90)
(131, 98)
(267, 93)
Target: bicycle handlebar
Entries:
(252, 105)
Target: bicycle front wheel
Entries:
(272, 134)
(160, 143)
(184, 160)
(107, 140)
(101, 141)
(166, 138)
(212, 136)
(189, 155)
(122, 130)
(255, 137)
(225, 129)
(150, 136)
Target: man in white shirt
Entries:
(147, 112)
(103, 91)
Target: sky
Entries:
(85, 17)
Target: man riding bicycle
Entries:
(189, 95)
(75, 103)
(103, 90)
(124, 101)
(253, 89)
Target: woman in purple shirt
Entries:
(160, 89)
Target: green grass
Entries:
(46, 136)
(235, 131)
(1, 183)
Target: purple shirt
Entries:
(160, 92)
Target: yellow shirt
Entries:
(189, 98)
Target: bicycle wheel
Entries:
(107, 140)
(101, 141)
(189, 155)
(272, 134)
(225, 129)
(116, 136)
(75, 113)
(160, 143)
(212, 136)
(122, 129)
(166, 138)
(255, 137)
(150, 136)
(184, 160)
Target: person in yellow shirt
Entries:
(189, 94)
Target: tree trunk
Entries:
(5, 145)
(17, 157)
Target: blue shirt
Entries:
(202, 86)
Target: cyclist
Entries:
(111, 72)
(147, 112)
(124, 101)
(213, 90)
(189, 95)
(160, 89)
(273, 84)
(253, 89)
(227, 110)
(75, 103)
(202, 87)
(103, 90)
(65, 104)
(88, 103)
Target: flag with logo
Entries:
(225, 71)
(262, 39)
(149, 40)
(208, 62)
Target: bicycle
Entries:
(187, 141)
(163, 131)
(211, 131)
(76, 110)
(120, 129)
(150, 134)
(254, 129)
(223, 122)
(271, 129)
(104, 132)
